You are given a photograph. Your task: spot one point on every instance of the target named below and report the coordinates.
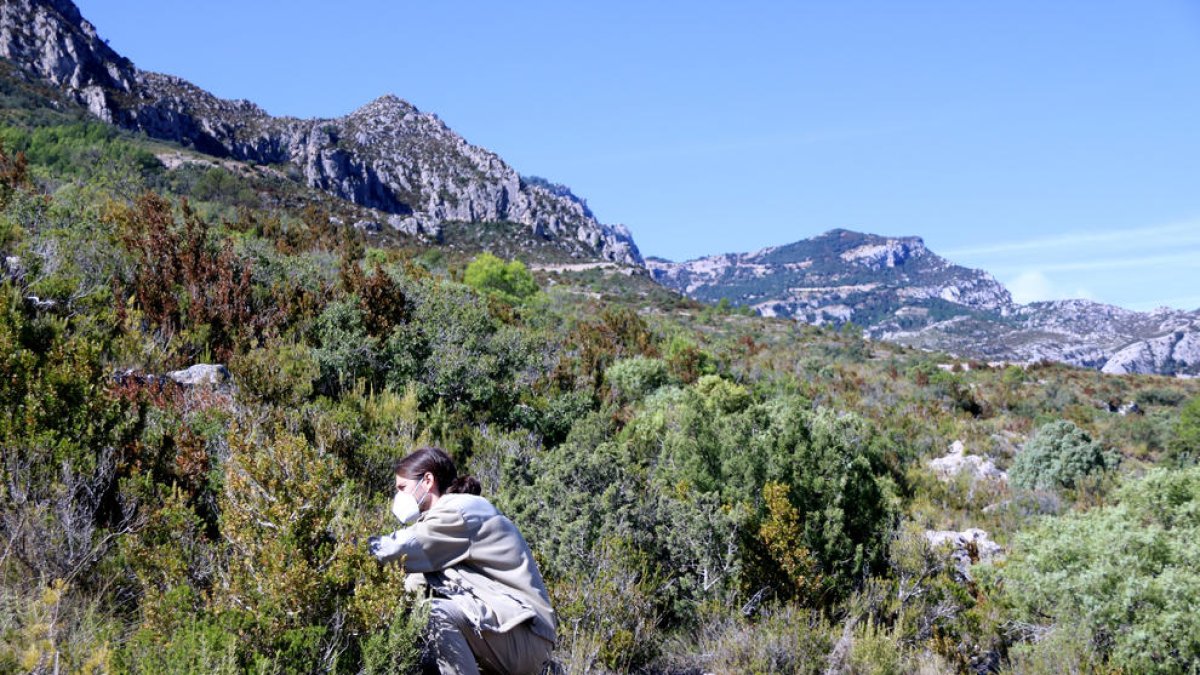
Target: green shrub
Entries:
(344, 351)
(280, 376)
(633, 378)
(1127, 576)
(1165, 396)
(1184, 444)
(512, 281)
(783, 638)
(1058, 456)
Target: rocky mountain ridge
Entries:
(387, 155)
(899, 290)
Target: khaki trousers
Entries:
(460, 650)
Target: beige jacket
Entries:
(472, 554)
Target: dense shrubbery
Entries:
(1124, 578)
(703, 489)
(1184, 446)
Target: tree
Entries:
(511, 281)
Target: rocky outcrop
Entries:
(212, 374)
(967, 548)
(957, 462)
(1175, 354)
(387, 155)
(53, 42)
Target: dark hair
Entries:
(437, 462)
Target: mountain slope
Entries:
(387, 155)
(900, 291)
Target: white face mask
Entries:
(406, 508)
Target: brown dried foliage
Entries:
(383, 304)
(14, 175)
(593, 346)
(182, 280)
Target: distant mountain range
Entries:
(899, 290)
(417, 176)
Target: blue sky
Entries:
(1054, 144)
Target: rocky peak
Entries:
(51, 39)
(887, 253)
(387, 155)
(838, 276)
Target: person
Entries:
(490, 609)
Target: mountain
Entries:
(898, 290)
(387, 155)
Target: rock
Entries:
(1131, 408)
(13, 267)
(39, 304)
(957, 462)
(202, 373)
(1172, 354)
(968, 547)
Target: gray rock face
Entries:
(1175, 353)
(958, 462)
(387, 155)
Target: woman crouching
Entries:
(490, 610)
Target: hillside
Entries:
(208, 368)
(900, 291)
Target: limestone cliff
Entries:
(387, 155)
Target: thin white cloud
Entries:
(1179, 258)
(1174, 235)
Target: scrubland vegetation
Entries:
(706, 491)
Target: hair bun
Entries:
(465, 485)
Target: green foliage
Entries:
(344, 352)
(687, 361)
(1165, 396)
(455, 352)
(393, 648)
(633, 378)
(782, 639)
(510, 281)
(201, 644)
(1126, 574)
(80, 150)
(1059, 455)
(45, 629)
(213, 184)
(703, 490)
(1184, 445)
(284, 375)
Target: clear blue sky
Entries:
(1054, 144)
